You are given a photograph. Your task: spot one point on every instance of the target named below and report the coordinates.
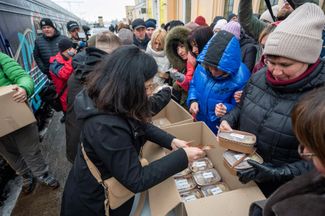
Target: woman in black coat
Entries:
(115, 113)
(293, 69)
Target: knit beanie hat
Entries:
(200, 20)
(191, 25)
(267, 16)
(46, 22)
(233, 27)
(65, 44)
(138, 23)
(299, 36)
(220, 24)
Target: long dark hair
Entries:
(118, 84)
(200, 36)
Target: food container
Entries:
(161, 122)
(191, 195)
(183, 173)
(206, 177)
(185, 183)
(231, 158)
(201, 164)
(215, 189)
(239, 141)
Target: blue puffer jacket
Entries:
(222, 52)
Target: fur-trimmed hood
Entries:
(177, 34)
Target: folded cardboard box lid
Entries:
(164, 197)
(174, 113)
(13, 115)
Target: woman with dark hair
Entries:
(198, 38)
(115, 112)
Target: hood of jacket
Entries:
(84, 62)
(222, 52)
(84, 107)
(153, 52)
(176, 35)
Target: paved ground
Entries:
(44, 201)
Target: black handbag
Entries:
(51, 97)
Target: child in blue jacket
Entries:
(219, 74)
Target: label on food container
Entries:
(199, 164)
(208, 175)
(239, 156)
(240, 136)
(182, 184)
(190, 198)
(216, 191)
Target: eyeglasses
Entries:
(308, 155)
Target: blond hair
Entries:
(159, 34)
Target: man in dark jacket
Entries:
(140, 38)
(76, 36)
(46, 45)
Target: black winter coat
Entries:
(83, 63)
(46, 47)
(265, 110)
(113, 144)
(249, 51)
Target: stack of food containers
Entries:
(240, 147)
(199, 180)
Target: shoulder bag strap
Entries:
(93, 169)
(269, 7)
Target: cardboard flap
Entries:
(232, 203)
(175, 114)
(162, 197)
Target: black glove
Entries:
(263, 173)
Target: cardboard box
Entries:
(172, 114)
(13, 115)
(165, 197)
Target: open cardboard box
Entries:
(13, 115)
(174, 113)
(164, 197)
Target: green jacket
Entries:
(12, 73)
(250, 23)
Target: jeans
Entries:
(21, 151)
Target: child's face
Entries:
(181, 51)
(215, 72)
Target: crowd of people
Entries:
(260, 75)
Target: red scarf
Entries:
(272, 81)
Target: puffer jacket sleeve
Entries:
(192, 94)
(250, 23)
(113, 145)
(37, 57)
(16, 74)
(188, 76)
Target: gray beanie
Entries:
(299, 36)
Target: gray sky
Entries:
(91, 9)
